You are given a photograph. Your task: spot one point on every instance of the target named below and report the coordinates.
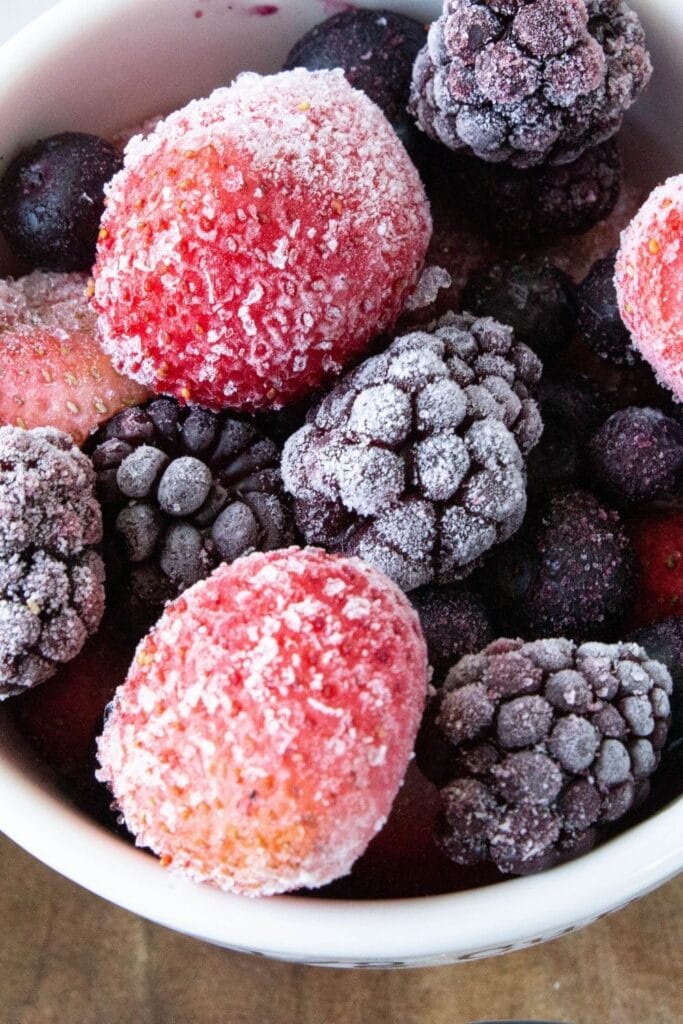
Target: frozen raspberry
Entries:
(637, 455)
(658, 541)
(663, 642)
(292, 685)
(257, 240)
(376, 50)
(600, 324)
(571, 572)
(535, 298)
(523, 206)
(649, 280)
(53, 371)
(52, 198)
(51, 579)
(413, 461)
(184, 489)
(454, 622)
(529, 82)
(549, 742)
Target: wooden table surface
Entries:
(67, 957)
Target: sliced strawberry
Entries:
(52, 369)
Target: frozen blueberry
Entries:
(51, 199)
(637, 455)
(599, 320)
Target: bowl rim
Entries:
(318, 930)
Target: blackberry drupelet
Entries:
(548, 743)
(571, 572)
(637, 456)
(52, 198)
(184, 489)
(599, 320)
(663, 642)
(51, 577)
(535, 298)
(529, 82)
(414, 461)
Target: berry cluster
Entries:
(278, 347)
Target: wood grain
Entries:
(67, 957)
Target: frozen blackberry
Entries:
(535, 298)
(523, 207)
(529, 82)
(51, 199)
(599, 321)
(454, 622)
(637, 456)
(549, 742)
(184, 489)
(572, 572)
(663, 642)
(51, 578)
(413, 460)
(376, 50)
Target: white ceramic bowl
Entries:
(109, 63)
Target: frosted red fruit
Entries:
(257, 240)
(267, 721)
(649, 278)
(53, 371)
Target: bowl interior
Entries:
(111, 64)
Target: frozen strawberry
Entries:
(52, 369)
(649, 278)
(268, 720)
(257, 240)
(658, 541)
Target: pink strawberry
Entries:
(52, 369)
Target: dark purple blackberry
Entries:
(572, 571)
(535, 298)
(523, 207)
(51, 578)
(548, 743)
(413, 461)
(184, 489)
(599, 321)
(454, 622)
(51, 199)
(529, 82)
(663, 642)
(637, 456)
(376, 50)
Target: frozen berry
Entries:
(183, 489)
(571, 572)
(376, 50)
(51, 578)
(52, 198)
(292, 685)
(549, 742)
(53, 371)
(413, 461)
(525, 206)
(649, 279)
(529, 82)
(257, 240)
(637, 455)
(535, 298)
(454, 622)
(663, 642)
(599, 323)
(658, 541)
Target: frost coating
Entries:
(529, 82)
(414, 460)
